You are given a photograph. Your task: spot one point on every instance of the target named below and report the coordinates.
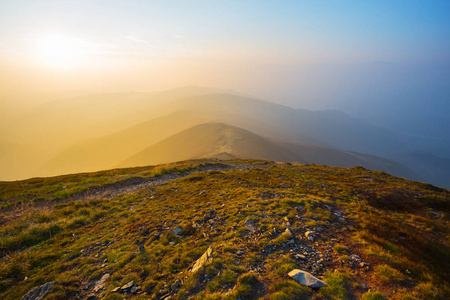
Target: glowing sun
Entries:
(60, 51)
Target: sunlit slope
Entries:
(225, 141)
(47, 130)
(106, 152)
(263, 118)
(209, 140)
(150, 225)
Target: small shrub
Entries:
(339, 248)
(247, 286)
(385, 274)
(283, 266)
(372, 296)
(337, 282)
(289, 290)
(428, 291)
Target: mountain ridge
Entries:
(141, 233)
(64, 150)
(210, 139)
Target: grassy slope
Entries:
(385, 220)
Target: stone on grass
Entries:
(249, 225)
(306, 279)
(39, 292)
(205, 258)
(99, 285)
(310, 235)
(177, 230)
(127, 287)
(176, 285)
(288, 232)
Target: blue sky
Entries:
(301, 31)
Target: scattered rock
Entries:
(115, 290)
(127, 287)
(240, 252)
(300, 256)
(322, 262)
(196, 223)
(39, 292)
(288, 232)
(205, 258)
(209, 215)
(99, 285)
(306, 279)
(310, 235)
(133, 289)
(434, 214)
(250, 225)
(176, 285)
(176, 230)
(141, 248)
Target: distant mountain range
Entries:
(98, 132)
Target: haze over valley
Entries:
(104, 131)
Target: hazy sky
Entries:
(314, 54)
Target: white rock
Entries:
(306, 279)
(205, 258)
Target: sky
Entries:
(350, 55)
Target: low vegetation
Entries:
(367, 234)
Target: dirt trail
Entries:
(109, 191)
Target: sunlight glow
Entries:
(61, 52)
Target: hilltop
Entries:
(138, 233)
(102, 131)
(219, 140)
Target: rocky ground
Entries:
(232, 230)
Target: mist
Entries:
(370, 78)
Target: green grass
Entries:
(372, 296)
(385, 274)
(289, 290)
(407, 248)
(337, 285)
